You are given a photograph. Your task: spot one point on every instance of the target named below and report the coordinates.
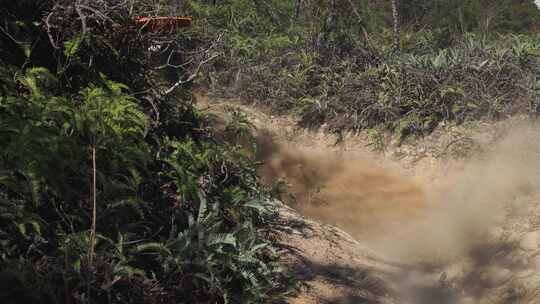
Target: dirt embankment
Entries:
(451, 218)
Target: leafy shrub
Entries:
(112, 193)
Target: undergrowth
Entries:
(333, 66)
(112, 191)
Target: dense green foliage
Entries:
(332, 63)
(113, 189)
(178, 217)
(484, 16)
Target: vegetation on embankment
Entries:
(113, 190)
(333, 64)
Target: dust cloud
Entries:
(451, 235)
(352, 193)
(465, 210)
(436, 226)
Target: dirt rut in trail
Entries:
(350, 187)
(355, 194)
(441, 225)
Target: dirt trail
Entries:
(458, 212)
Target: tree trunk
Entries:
(331, 18)
(361, 22)
(297, 4)
(396, 31)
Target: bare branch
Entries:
(81, 16)
(191, 77)
(3, 30)
(49, 33)
(97, 13)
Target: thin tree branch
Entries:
(191, 77)
(81, 16)
(49, 33)
(94, 206)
